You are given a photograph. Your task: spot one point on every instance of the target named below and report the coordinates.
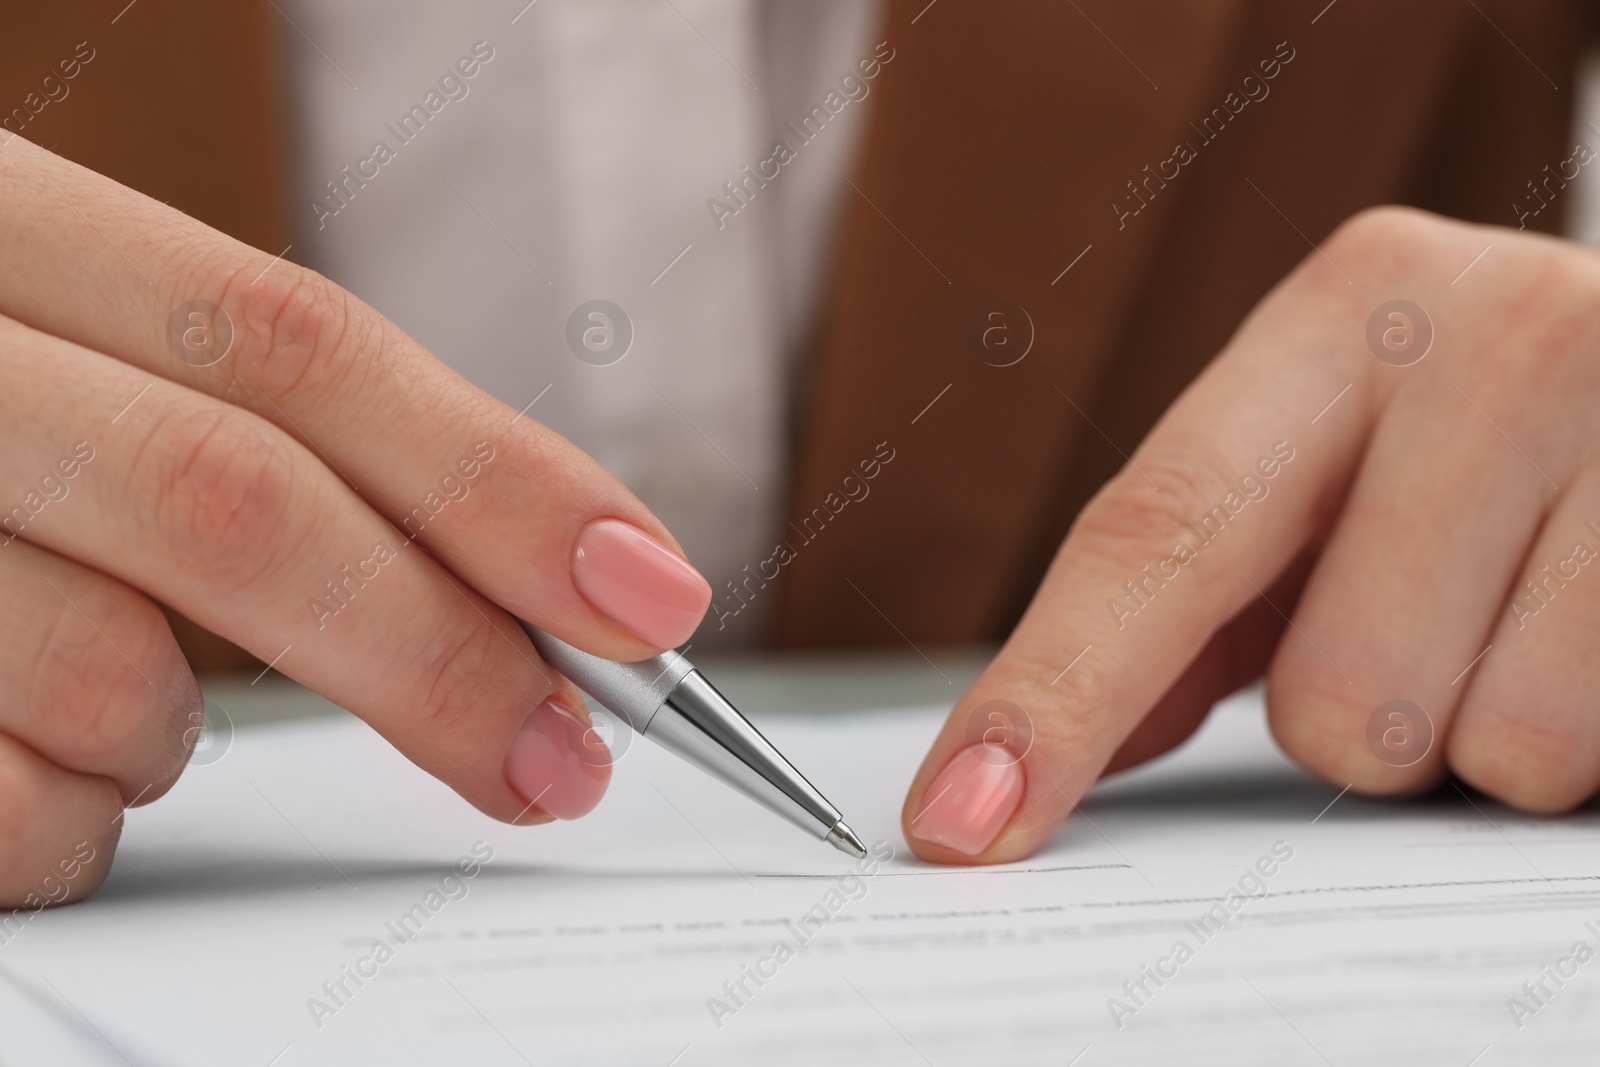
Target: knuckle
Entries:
(456, 677)
(1312, 725)
(1543, 332)
(1376, 254)
(292, 322)
(113, 685)
(1143, 509)
(1386, 247)
(43, 863)
(1386, 236)
(1323, 727)
(226, 484)
(1526, 763)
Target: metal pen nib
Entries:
(844, 839)
(671, 703)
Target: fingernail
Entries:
(969, 802)
(639, 583)
(558, 762)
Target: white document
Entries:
(305, 901)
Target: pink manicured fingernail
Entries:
(558, 762)
(638, 582)
(970, 800)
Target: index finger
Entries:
(1232, 482)
(514, 508)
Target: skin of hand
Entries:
(1356, 498)
(188, 419)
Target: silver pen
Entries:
(667, 700)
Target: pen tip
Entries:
(844, 839)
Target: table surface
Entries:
(780, 683)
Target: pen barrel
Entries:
(698, 724)
(633, 691)
(665, 699)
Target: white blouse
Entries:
(583, 204)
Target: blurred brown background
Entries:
(1000, 144)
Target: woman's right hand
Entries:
(190, 420)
